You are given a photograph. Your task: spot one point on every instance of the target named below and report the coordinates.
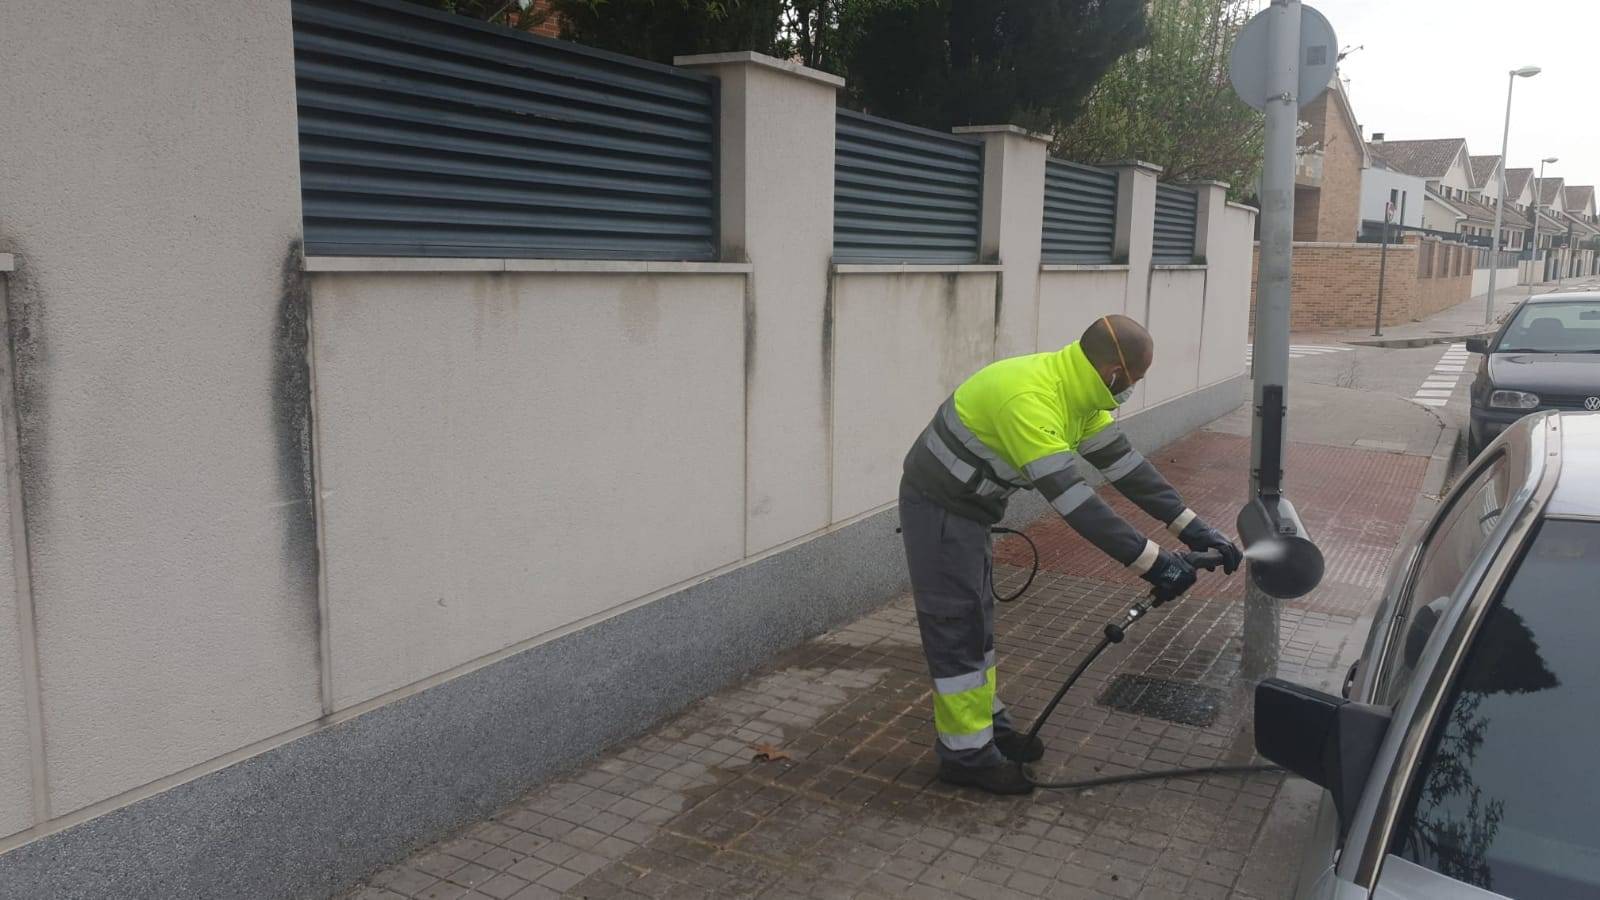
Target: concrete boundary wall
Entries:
(1502, 279)
(312, 560)
(1335, 285)
(328, 807)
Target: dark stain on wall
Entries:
(827, 349)
(828, 363)
(749, 335)
(291, 428)
(28, 356)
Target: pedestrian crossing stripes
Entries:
(1441, 383)
(1299, 351)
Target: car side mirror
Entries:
(1477, 345)
(1324, 739)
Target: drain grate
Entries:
(1183, 702)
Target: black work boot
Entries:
(1019, 747)
(1005, 778)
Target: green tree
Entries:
(523, 15)
(941, 63)
(661, 29)
(1171, 103)
(649, 29)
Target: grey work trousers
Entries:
(951, 559)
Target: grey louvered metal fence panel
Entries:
(1080, 213)
(429, 134)
(1176, 209)
(904, 194)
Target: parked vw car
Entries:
(1463, 760)
(1546, 356)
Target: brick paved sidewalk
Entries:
(848, 806)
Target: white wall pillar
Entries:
(777, 140)
(1013, 229)
(1135, 236)
(1212, 199)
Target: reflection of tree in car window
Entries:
(1505, 799)
(1454, 825)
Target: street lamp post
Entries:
(1500, 210)
(1538, 195)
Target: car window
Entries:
(1563, 327)
(1506, 798)
(1462, 534)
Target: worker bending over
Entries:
(1021, 423)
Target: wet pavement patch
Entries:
(1182, 702)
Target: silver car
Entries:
(1463, 760)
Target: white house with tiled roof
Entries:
(1580, 202)
(1445, 166)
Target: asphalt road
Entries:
(1423, 375)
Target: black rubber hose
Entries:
(1038, 723)
(1032, 573)
(1157, 775)
(1084, 783)
(1072, 679)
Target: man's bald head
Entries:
(1109, 334)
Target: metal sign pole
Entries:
(1383, 261)
(1271, 353)
(1285, 57)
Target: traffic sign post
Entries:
(1283, 59)
(1383, 258)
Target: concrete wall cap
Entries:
(8, 263)
(1133, 164)
(552, 266)
(1002, 129)
(1084, 267)
(1340, 245)
(750, 57)
(1206, 182)
(1178, 267)
(914, 268)
(1244, 207)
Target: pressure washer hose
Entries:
(1113, 634)
(1032, 573)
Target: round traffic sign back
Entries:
(1319, 53)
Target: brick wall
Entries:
(1332, 211)
(1339, 213)
(1335, 286)
(1450, 279)
(551, 26)
(1307, 209)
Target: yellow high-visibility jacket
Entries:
(1025, 422)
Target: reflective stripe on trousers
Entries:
(949, 559)
(964, 707)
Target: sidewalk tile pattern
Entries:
(847, 804)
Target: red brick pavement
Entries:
(850, 807)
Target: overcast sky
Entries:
(1438, 69)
